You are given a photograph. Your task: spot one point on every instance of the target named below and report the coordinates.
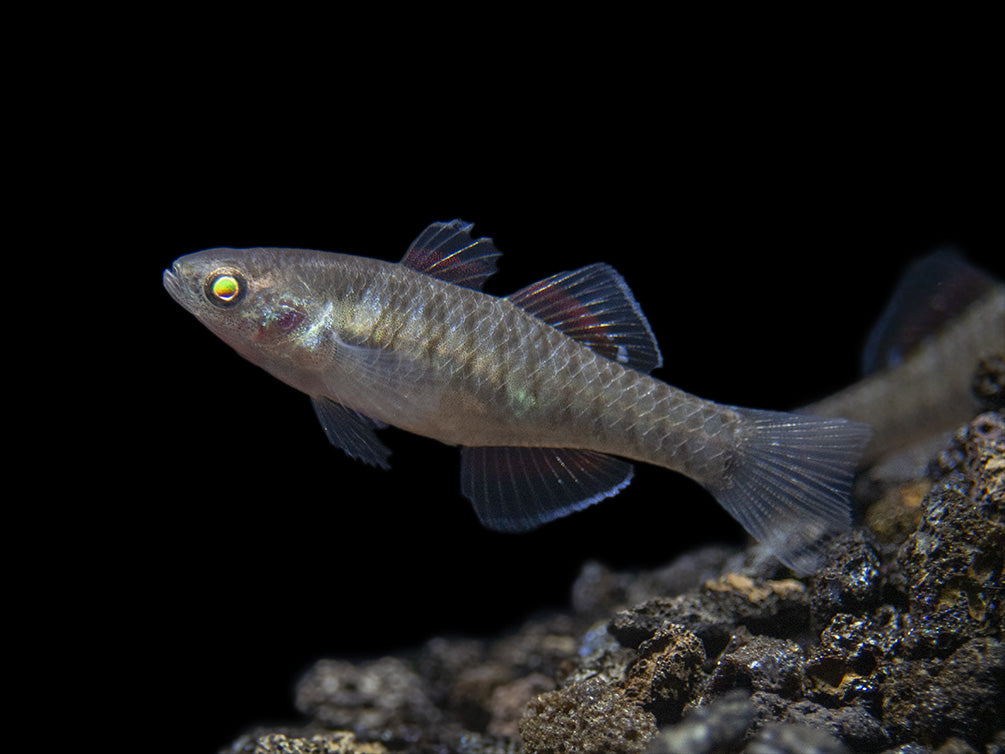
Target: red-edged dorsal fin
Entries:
(447, 251)
(595, 306)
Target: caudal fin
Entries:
(791, 482)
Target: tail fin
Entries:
(790, 485)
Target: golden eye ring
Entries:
(225, 287)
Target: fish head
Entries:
(252, 299)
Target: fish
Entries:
(918, 364)
(547, 391)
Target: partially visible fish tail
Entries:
(790, 482)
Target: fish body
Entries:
(918, 372)
(547, 391)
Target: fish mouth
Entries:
(172, 283)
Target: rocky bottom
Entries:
(895, 645)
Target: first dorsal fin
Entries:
(932, 291)
(594, 306)
(447, 251)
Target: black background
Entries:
(760, 217)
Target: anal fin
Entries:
(517, 489)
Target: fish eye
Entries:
(225, 287)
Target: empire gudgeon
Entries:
(547, 391)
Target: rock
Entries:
(848, 582)
(896, 515)
(509, 701)
(932, 699)
(329, 742)
(600, 656)
(759, 663)
(441, 661)
(599, 591)
(851, 724)
(953, 564)
(706, 620)
(773, 607)
(794, 739)
(587, 717)
(776, 607)
(842, 669)
(957, 746)
(544, 645)
(475, 743)
(894, 646)
(664, 674)
(382, 694)
(473, 689)
(719, 727)
(989, 382)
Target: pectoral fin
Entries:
(518, 489)
(352, 432)
(385, 384)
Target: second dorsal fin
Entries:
(594, 306)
